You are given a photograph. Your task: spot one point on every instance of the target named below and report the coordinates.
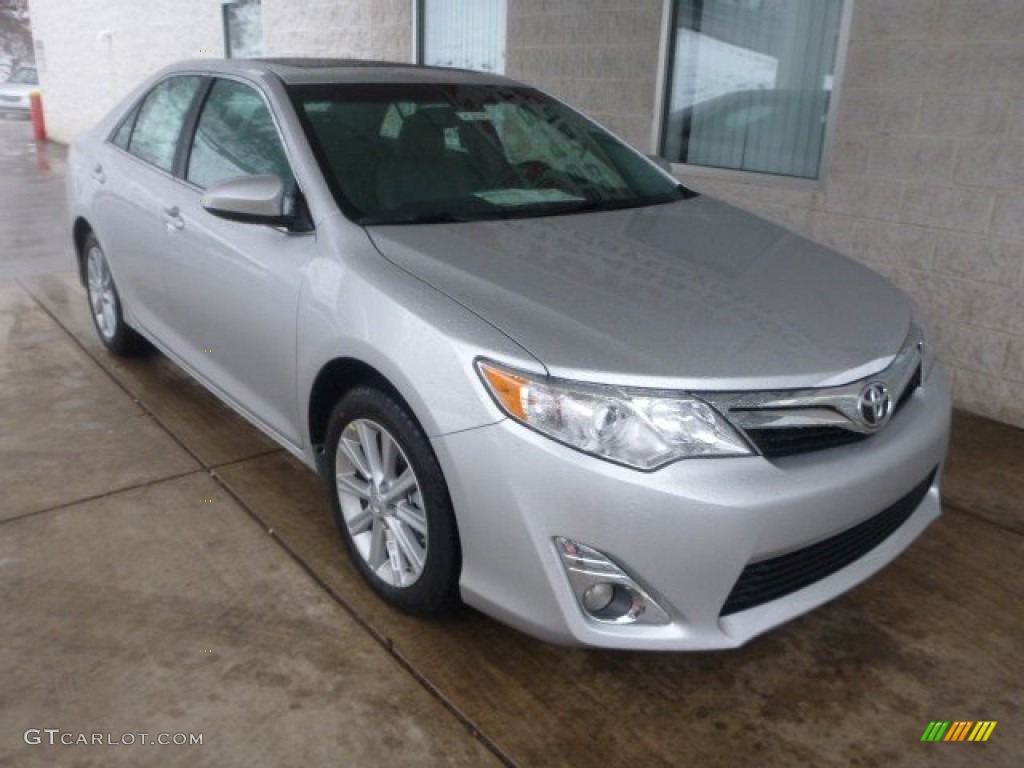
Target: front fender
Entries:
(358, 305)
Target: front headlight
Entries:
(640, 429)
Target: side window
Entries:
(236, 136)
(160, 119)
(124, 131)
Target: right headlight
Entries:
(640, 429)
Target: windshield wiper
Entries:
(559, 208)
(596, 206)
(441, 217)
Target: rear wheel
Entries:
(391, 503)
(105, 303)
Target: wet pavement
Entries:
(165, 568)
(33, 233)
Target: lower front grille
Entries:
(769, 580)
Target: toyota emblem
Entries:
(874, 405)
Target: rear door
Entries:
(133, 176)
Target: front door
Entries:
(234, 287)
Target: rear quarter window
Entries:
(123, 134)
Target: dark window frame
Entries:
(420, 30)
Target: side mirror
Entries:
(661, 162)
(249, 199)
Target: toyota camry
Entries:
(538, 374)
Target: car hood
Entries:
(694, 294)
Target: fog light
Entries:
(604, 591)
(598, 597)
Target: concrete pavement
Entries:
(166, 569)
(32, 231)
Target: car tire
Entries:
(391, 503)
(105, 303)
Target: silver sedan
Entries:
(538, 375)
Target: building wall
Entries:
(601, 56)
(926, 180)
(367, 29)
(94, 52)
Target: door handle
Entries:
(172, 217)
(97, 173)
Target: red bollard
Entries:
(38, 124)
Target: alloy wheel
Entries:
(102, 299)
(381, 503)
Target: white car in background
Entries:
(14, 93)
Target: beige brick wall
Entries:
(368, 29)
(926, 179)
(601, 56)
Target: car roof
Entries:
(294, 71)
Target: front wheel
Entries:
(391, 503)
(105, 303)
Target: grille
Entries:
(774, 443)
(912, 386)
(769, 580)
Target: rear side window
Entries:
(236, 136)
(123, 134)
(160, 118)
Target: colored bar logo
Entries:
(958, 730)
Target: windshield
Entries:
(25, 75)
(400, 154)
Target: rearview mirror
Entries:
(249, 199)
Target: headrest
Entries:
(422, 134)
(355, 120)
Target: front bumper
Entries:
(685, 532)
(15, 106)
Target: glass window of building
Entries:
(469, 34)
(243, 29)
(750, 84)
